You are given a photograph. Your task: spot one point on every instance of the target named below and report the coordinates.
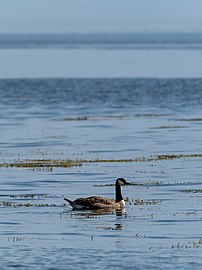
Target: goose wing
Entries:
(95, 202)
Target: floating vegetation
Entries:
(168, 127)
(192, 190)
(143, 202)
(11, 204)
(145, 159)
(84, 118)
(149, 183)
(111, 185)
(16, 239)
(42, 163)
(166, 157)
(98, 160)
(79, 118)
(149, 172)
(190, 119)
(115, 228)
(194, 244)
(49, 164)
(109, 117)
(190, 213)
(32, 196)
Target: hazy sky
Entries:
(100, 15)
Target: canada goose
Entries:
(98, 202)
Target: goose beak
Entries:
(127, 183)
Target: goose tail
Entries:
(73, 204)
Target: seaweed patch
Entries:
(144, 202)
(49, 164)
(42, 164)
(11, 204)
(191, 190)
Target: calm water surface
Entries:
(90, 119)
(101, 56)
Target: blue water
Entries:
(101, 56)
(102, 41)
(59, 117)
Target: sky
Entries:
(95, 16)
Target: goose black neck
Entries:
(118, 192)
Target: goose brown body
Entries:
(99, 202)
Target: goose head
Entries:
(122, 181)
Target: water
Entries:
(102, 41)
(101, 56)
(103, 119)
